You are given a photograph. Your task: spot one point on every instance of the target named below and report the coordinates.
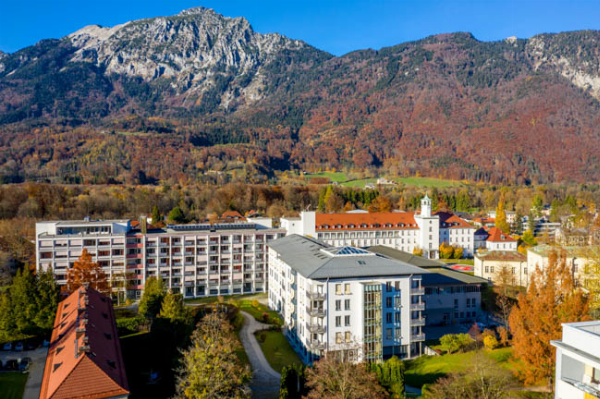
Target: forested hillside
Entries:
(179, 97)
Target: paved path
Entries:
(36, 369)
(265, 380)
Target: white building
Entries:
(345, 299)
(578, 361)
(488, 264)
(404, 231)
(196, 260)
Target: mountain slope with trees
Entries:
(202, 92)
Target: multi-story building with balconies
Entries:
(405, 231)
(195, 260)
(345, 299)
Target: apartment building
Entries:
(578, 361)
(405, 231)
(195, 260)
(345, 299)
(489, 263)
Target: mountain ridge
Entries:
(514, 110)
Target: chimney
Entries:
(143, 224)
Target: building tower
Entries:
(428, 238)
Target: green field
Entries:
(470, 262)
(427, 369)
(12, 384)
(277, 349)
(359, 183)
(333, 176)
(427, 182)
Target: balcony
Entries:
(417, 322)
(315, 296)
(316, 346)
(315, 328)
(315, 312)
(417, 291)
(417, 337)
(417, 306)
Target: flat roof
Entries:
(405, 257)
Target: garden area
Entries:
(12, 384)
(277, 349)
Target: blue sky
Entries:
(332, 25)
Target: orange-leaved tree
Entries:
(552, 298)
(87, 272)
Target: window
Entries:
(456, 304)
(338, 338)
(398, 333)
(347, 321)
(388, 302)
(397, 284)
(388, 286)
(338, 289)
(474, 302)
(347, 304)
(338, 321)
(388, 317)
(338, 305)
(397, 317)
(388, 333)
(487, 269)
(347, 289)
(348, 336)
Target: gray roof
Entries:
(439, 273)
(405, 257)
(316, 260)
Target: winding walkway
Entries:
(265, 380)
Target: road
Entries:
(265, 380)
(36, 370)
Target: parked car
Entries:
(19, 346)
(30, 346)
(7, 346)
(11, 365)
(24, 364)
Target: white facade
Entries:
(195, 260)
(489, 264)
(405, 231)
(578, 361)
(374, 316)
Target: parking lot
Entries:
(36, 368)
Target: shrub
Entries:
(255, 304)
(265, 317)
(129, 325)
(455, 342)
(490, 342)
(503, 333)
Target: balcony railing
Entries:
(316, 346)
(315, 328)
(316, 296)
(417, 337)
(417, 291)
(315, 312)
(417, 306)
(418, 322)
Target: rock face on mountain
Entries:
(190, 48)
(516, 110)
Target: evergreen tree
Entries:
(152, 298)
(292, 383)
(322, 192)
(156, 218)
(435, 197)
(391, 376)
(174, 309)
(47, 299)
(176, 215)
(23, 301)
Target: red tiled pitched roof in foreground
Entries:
(381, 221)
(84, 359)
(497, 235)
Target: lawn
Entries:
(470, 262)
(428, 182)
(213, 299)
(12, 384)
(360, 183)
(427, 369)
(277, 349)
(257, 311)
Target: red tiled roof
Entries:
(484, 220)
(232, 215)
(84, 359)
(365, 221)
(497, 235)
(450, 220)
(381, 221)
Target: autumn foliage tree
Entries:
(87, 272)
(331, 377)
(551, 299)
